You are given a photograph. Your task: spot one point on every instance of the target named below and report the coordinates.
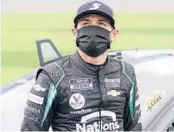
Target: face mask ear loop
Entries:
(77, 44)
(109, 45)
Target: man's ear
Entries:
(113, 34)
(74, 32)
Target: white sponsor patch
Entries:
(113, 93)
(35, 99)
(77, 101)
(137, 102)
(31, 118)
(81, 84)
(34, 110)
(38, 87)
(112, 125)
(112, 82)
(82, 111)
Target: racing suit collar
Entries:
(100, 64)
(90, 68)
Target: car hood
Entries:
(154, 73)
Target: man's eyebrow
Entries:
(103, 20)
(84, 19)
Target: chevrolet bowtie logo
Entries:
(113, 93)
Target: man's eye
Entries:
(85, 24)
(102, 24)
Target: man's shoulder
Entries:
(60, 62)
(56, 68)
(128, 69)
(125, 66)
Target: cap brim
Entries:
(79, 16)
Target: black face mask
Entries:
(93, 40)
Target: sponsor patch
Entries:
(112, 82)
(113, 93)
(77, 101)
(112, 125)
(34, 110)
(38, 87)
(55, 73)
(35, 99)
(95, 127)
(83, 111)
(81, 84)
(31, 118)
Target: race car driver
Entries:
(86, 91)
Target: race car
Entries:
(155, 78)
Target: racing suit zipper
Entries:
(101, 98)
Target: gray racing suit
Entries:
(72, 95)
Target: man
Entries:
(87, 91)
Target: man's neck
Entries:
(93, 60)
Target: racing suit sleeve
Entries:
(38, 113)
(132, 112)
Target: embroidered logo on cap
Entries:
(95, 6)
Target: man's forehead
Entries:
(94, 17)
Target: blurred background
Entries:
(143, 24)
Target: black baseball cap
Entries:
(95, 7)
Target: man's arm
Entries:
(38, 113)
(132, 114)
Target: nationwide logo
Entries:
(77, 101)
(114, 82)
(96, 125)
